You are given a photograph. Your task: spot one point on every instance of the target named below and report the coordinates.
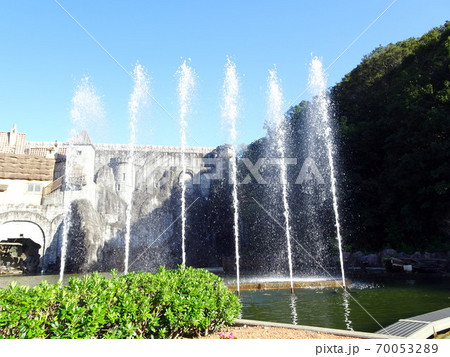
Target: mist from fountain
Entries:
(86, 109)
(276, 115)
(321, 118)
(230, 113)
(138, 99)
(186, 83)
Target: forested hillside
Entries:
(393, 112)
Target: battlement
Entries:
(33, 146)
(153, 148)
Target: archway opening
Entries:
(22, 243)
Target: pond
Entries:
(371, 306)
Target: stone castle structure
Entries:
(40, 182)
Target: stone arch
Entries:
(188, 179)
(29, 224)
(23, 230)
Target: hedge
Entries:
(186, 302)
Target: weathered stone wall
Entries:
(96, 239)
(155, 192)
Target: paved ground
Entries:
(262, 332)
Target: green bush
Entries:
(169, 304)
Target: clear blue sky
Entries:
(44, 54)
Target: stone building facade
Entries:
(94, 184)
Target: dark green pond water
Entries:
(372, 305)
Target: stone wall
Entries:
(111, 174)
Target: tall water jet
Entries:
(137, 100)
(276, 114)
(186, 84)
(67, 201)
(86, 109)
(229, 113)
(321, 114)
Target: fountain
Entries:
(137, 100)
(230, 112)
(276, 114)
(67, 209)
(86, 107)
(185, 87)
(119, 198)
(320, 116)
(83, 102)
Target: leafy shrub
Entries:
(169, 304)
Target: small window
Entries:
(34, 187)
(118, 187)
(123, 177)
(79, 152)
